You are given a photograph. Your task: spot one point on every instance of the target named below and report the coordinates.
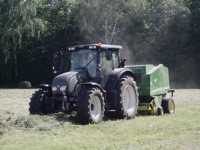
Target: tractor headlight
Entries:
(54, 89)
(58, 89)
(63, 88)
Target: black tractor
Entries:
(96, 84)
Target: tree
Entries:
(18, 22)
(151, 31)
(61, 30)
(100, 20)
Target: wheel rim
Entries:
(171, 106)
(95, 108)
(153, 108)
(129, 100)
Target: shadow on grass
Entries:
(68, 118)
(63, 118)
(73, 119)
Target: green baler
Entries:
(155, 94)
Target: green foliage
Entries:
(18, 19)
(195, 8)
(153, 31)
(102, 20)
(18, 22)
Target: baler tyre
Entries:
(127, 98)
(91, 105)
(168, 106)
(160, 111)
(36, 105)
(153, 109)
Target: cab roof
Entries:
(94, 46)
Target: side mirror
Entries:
(122, 63)
(54, 70)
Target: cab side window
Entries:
(106, 67)
(115, 59)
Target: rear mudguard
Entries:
(115, 76)
(112, 84)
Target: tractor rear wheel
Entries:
(127, 98)
(91, 105)
(168, 106)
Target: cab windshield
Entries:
(84, 59)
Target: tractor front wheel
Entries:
(36, 105)
(39, 103)
(91, 105)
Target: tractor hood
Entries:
(65, 83)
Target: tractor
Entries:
(96, 84)
(99, 83)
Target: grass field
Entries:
(20, 131)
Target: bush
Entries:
(25, 85)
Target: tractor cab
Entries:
(98, 60)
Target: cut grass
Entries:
(21, 131)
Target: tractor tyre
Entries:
(91, 105)
(40, 104)
(127, 98)
(36, 105)
(168, 106)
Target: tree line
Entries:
(151, 31)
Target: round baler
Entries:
(155, 94)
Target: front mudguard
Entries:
(94, 84)
(46, 88)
